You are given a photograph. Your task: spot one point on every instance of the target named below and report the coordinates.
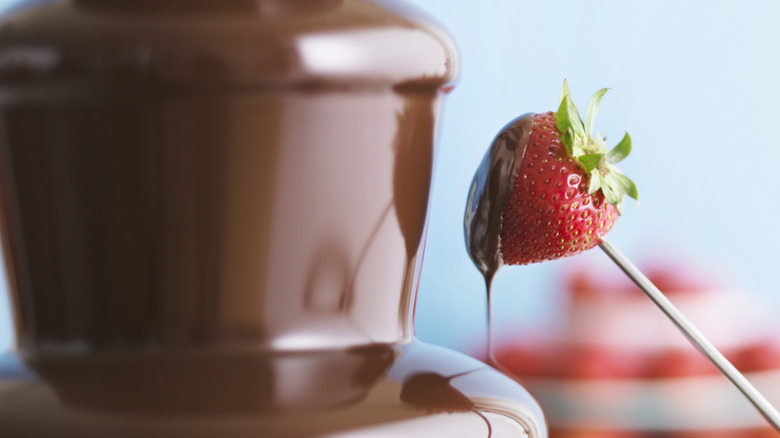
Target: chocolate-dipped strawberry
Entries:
(547, 188)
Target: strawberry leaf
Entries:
(590, 161)
(565, 90)
(612, 193)
(595, 183)
(593, 109)
(621, 151)
(626, 185)
(591, 152)
(568, 140)
(568, 118)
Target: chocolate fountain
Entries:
(213, 215)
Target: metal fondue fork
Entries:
(694, 335)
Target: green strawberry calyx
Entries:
(591, 151)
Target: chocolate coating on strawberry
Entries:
(547, 188)
(489, 192)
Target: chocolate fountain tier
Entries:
(279, 44)
(405, 390)
(212, 217)
(234, 172)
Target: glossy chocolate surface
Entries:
(489, 192)
(212, 218)
(411, 389)
(245, 176)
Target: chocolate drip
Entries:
(489, 192)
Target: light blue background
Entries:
(695, 83)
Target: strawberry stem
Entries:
(591, 152)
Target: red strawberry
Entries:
(567, 192)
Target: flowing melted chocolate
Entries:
(489, 192)
(210, 229)
(377, 390)
(197, 180)
(434, 391)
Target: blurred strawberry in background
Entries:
(619, 368)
